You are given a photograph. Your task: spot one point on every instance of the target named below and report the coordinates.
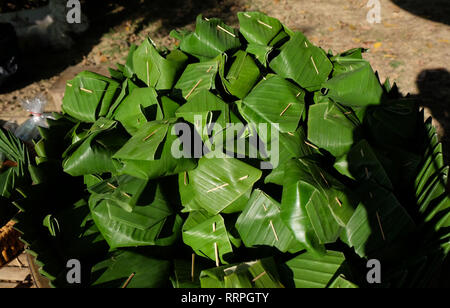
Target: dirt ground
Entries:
(411, 45)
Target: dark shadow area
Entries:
(404, 212)
(434, 93)
(103, 16)
(436, 10)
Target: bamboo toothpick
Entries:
(362, 153)
(367, 172)
(306, 44)
(226, 31)
(264, 24)
(218, 187)
(216, 250)
(111, 185)
(323, 177)
(243, 178)
(69, 84)
(126, 195)
(86, 90)
(274, 231)
(192, 267)
(193, 89)
(291, 134)
(381, 227)
(311, 145)
(339, 201)
(185, 178)
(149, 136)
(264, 206)
(285, 109)
(210, 68)
(247, 15)
(314, 63)
(128, 280)
(148, 73)
(259, 276)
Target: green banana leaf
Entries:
(274, 100)
(137, 108)
(291, 145)
(378, 221)
(207, 235)
(143, 226)
(156, 70)
(216, 184)
(255, 274)
(260, 224)
(310, 271)
(89, 95)
(357, 87)
(197, 77)
(330, 129)
(211, 38)
(145, 271)
(93, 154)
(302, 62)
(239, 77)
(158, 137)
(258, 28)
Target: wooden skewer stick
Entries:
(111, 185)
(306, 44)
(314, 63)
(86, 90)
(243, 178)
(367, 172)
(149, 136)
(291, 134)
(210, 68)
(69, 84)
(226, 31)
(299, 93)
(285, 109)
(148, 73)
(264, 24)
(264, 206)
(274, 231)
(126, 195)
(323, 177)
(311, 145)
(193, 89)
(362, 153)
(216, 250)
(218, 187)
(339, 201)
(381, 227)
(128, 281)
(192, 267)
(259, 276)
(247, 15)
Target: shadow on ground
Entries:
(103, 16)
(434, 93)
(436, 10)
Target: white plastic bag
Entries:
(28, 131)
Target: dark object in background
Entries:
(9, 52)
